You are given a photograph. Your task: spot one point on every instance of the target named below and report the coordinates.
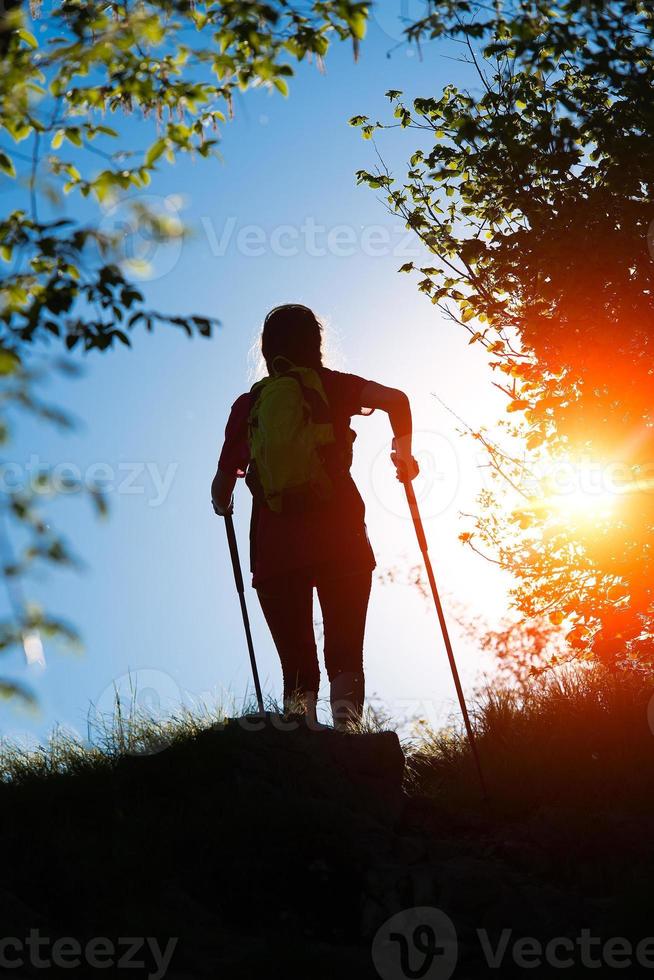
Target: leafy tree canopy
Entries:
(532, 190)
(175, 63)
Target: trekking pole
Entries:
(238, 578)
(422, 542)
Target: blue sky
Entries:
(279, 218)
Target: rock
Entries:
(423, 884)
(367, 766)
(411, 850)
(373, 915)
(529, 908)
(442, 850)
(14, 913)
(469, 884)
(388, 884)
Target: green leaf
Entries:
(28, 37)
(358, 23)
(9, 361)
(7, 165)
(73, 134)
(155, 151)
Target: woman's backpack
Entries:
(289, 428)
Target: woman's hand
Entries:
(406, 466)
(221, 510)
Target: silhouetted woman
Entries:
(324, 547)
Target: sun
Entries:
(582, 503)
(581, 489)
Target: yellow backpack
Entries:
(289, 425)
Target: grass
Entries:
(577, 739)
(572, 736)
(130, 730)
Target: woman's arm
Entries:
(396, 404)
(222, 489)
(233, 459)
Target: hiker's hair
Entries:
(295, 332)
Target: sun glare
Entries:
(582, 502)
(583, 490)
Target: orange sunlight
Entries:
(589, 490)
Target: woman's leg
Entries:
(344, 604)
(287, 603)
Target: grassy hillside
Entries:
(269, 849)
